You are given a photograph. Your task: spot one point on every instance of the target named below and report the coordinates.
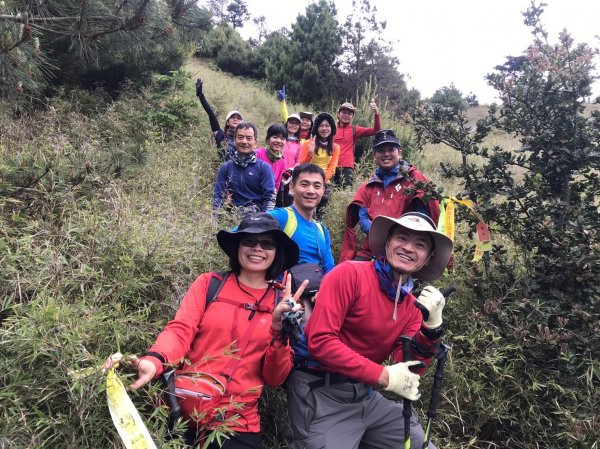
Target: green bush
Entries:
(538, 299)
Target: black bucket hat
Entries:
(384, 136)
(322, 116)
(259, 223)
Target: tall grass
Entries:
(105, 221)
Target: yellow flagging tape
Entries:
(446, 224)
(125, 416)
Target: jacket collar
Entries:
(404, 169)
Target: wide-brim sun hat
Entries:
(305, 114)
(319, 118)
(259, 223)
(296, 116)
(415, 221)
(230, 113)
(385, 136)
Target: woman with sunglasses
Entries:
(229, 349)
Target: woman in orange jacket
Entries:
(226, 349)
(320, 149)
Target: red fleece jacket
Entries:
(351, 330)
(345, 139)
(205, 337)
(380, 200)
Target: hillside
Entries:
(105, 220)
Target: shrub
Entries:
(538, 305)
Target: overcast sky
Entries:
(439, 42)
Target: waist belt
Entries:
(327, 378)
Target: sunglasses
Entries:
(250, 242)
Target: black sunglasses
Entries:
(250, 242)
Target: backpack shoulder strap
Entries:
(320, 226)
(291, 224)
(215, 285)
(353, 133)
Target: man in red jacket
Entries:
(362, 310)
(346, 136)
(384, 194)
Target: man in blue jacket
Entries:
(297, 221)
(245, 181)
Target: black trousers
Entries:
(244, 440)
(344, 176)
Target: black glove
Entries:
(198, 87)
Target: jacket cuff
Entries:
(155, 359)
(432, 334)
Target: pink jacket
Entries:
(278, 167)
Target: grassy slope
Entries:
(109, 272)
(171, 199)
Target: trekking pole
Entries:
(435, 391)
(170, 397)
(407, 404)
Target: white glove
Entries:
(432, 301)
(402, 381)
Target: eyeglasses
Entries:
(250, 242)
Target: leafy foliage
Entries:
(543, 196)
(92, 42)
(450, 97)
(306, 63)
(365, 59)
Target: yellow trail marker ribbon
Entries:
(446, 224)
(125, 416)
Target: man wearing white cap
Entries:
(363, 308)
(346, 136)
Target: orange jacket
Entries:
(332, 161)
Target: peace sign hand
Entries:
(284, 305)
(311, 146)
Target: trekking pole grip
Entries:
(406, 347)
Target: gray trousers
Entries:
(345, 416)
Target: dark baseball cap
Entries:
(384, 136)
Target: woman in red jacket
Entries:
(227, 350)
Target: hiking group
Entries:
(262, 322)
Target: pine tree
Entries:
(306, 63)
(366, 58)
(41, 40)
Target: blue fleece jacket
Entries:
(315, 247)
(248, 186)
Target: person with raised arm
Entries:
(346, 137)
(223, 137)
